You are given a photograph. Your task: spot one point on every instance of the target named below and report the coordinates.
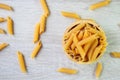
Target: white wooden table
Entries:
(27, 13)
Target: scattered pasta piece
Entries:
(2, 19)
(36, 32)
(3, 45)
(36, 49)
(10, 26)
(99, 4)
(2, 31)
(67, 70)
(115, 54)
(42, 24)
(98, 70)
(21, 61)
(45, 8)
(6, 7)
(71, 15)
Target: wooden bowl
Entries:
(84, 41)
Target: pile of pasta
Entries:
(40, 28)
(9, 21)
(84, 41)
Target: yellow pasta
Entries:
(94, 30)
(45, 8)
(5, 6)
(79, 47)
(3, 45)
(91, 29)
(89, 39)
(93, 46)
(73, 46)
(96, 52)
(2, 19)
(85, 40)
(87, 46)
(42, 24)
(115, 54)
(10, 26)
(2, 31)
(36, 49)
(71, 15)
(98, 70)
(81, 51)
(21, 61)
(98, 5)
(69, 42)
(77, 28)
(36, 32)
(67, 70)
(85, 34)
(80, 35)
(76, 50)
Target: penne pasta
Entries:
(3, 45)
(89, 39)
(80, 35)
(6, 7)
(77, 28)
(99, 33)
(79, 47)
(91, 29)
(42, 24)
(85, 34)
(86, 40)
(93, 46)
(71, 15)
(67, 70)
(115, 54)
(69, 42)
(73, 46)
(10, 26)
(21, 61)
(45, 8)
(2, 31)
(76, 50)
(96, 52)
(98, 5)
(98, 70)
(36, 49)
(87, 46)
(2, 19)
(36, 32)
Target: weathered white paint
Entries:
(27, 13)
